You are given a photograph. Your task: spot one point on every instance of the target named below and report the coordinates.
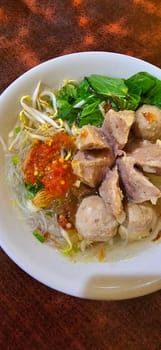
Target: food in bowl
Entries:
(84, 162)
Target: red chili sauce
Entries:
(44, 164)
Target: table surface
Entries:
(32, 315)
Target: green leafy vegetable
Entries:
(144, 88)
(110, 89)
(133, 100)
(84, 92)
(68, 92)
(76, 103)
(91, 115)
(107, 86)
(80, 103)
(39, 236)
(31, 189)
(89, 109)
(65, 110)
(141, 81)
(154, 95)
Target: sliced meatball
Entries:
(148, 123)
(137, 186)
(91, 137)
(91, 166)
(117, 126)
(112, 194)
(141, 220)
(147, 155)
(94, 220)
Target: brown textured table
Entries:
(32, 315)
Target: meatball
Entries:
(94, 221)
(148, 123)
(141, 220)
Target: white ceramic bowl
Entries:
(130, 277)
